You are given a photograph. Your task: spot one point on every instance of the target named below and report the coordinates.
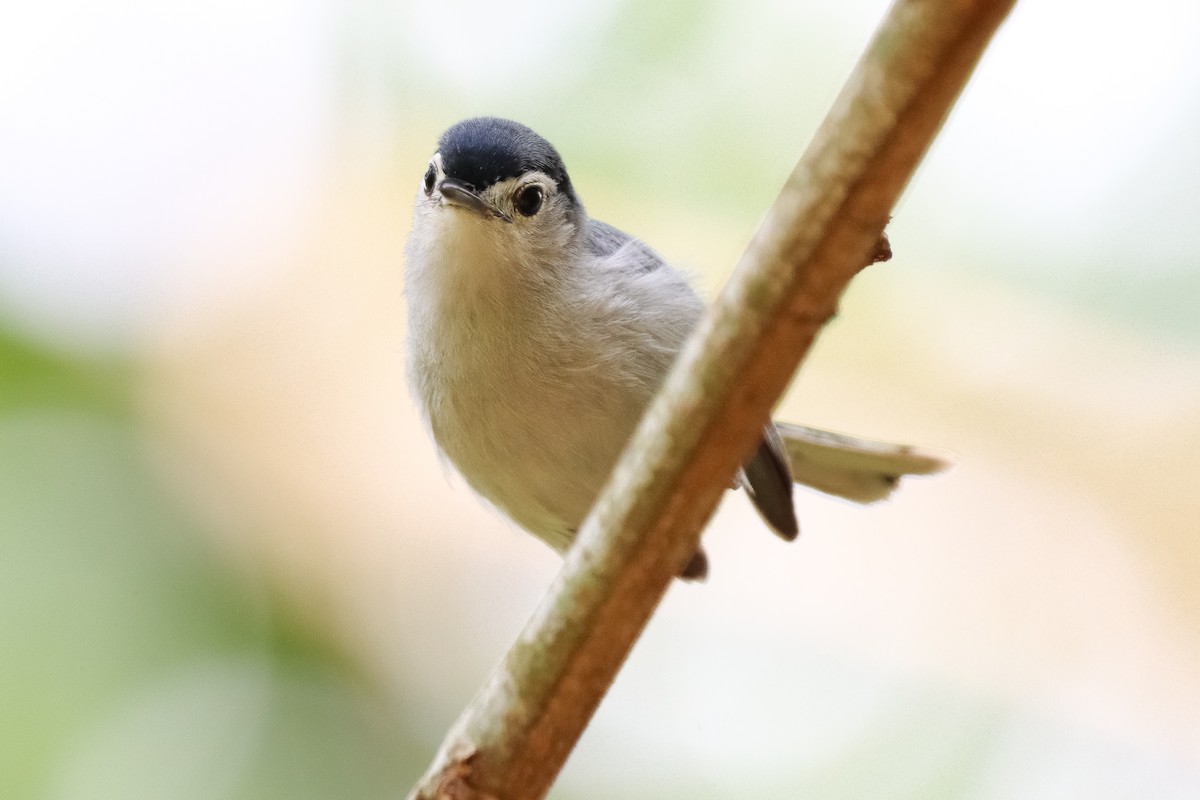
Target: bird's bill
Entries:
(460, 195)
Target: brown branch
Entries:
(512, 740)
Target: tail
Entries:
(857, 469)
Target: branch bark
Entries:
(825, 225)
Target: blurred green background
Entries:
(232, 566)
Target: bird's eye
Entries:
(430, 179)
(529, 200)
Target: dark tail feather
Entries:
(768, 481)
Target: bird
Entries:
(538, 335)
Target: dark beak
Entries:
(459, 194)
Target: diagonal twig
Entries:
(825, 225)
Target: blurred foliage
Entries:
(32, 377)
(136, 662)
(141, 660)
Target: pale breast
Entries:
(534, 376)
(534, 432)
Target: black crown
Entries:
(485, 150)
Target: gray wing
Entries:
(768, 480)
(604, 240)
(766, 476)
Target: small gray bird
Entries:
(538, 336)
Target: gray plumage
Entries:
(538, 336)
